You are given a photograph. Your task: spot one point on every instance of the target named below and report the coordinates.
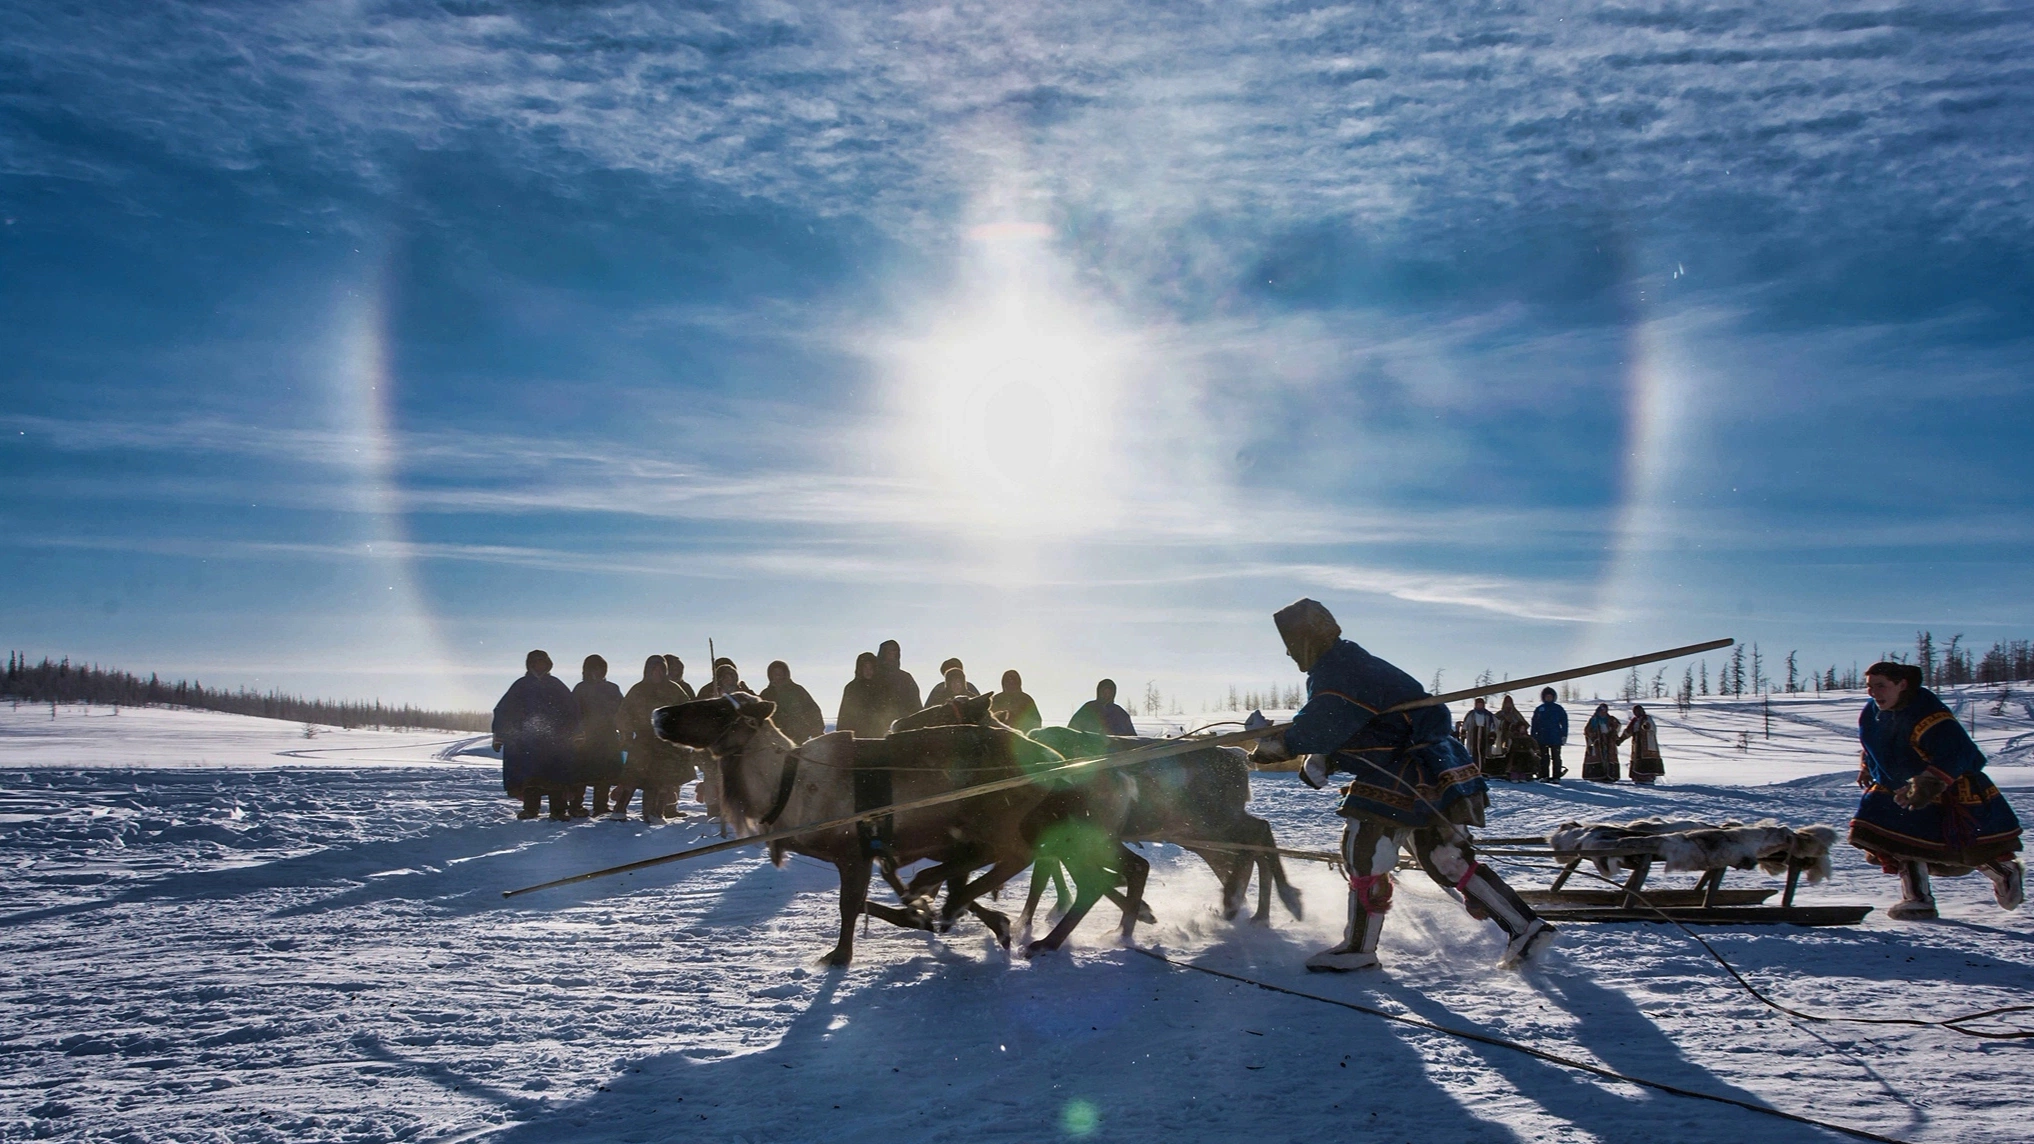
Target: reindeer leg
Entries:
(1088, 884)
(1135, 869)
(997, 921)
(888, 866)
(1127, 904)
(1039, 876)
(1260, 835)
(854, 894)
(1227, 869)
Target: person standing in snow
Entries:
(727, 679)
(1013, 707)
(1599, 746)
(899, 690)
(945, 689)
(1928, 807)
(1515, 742)
(533, 727)
(599, 746)
(864, 703)
(1101, 715)
(1644, 736)
(1412, 784)
(1478, 731)
(658, 767)
(1550, 731)
(797, 715)
(674, 670)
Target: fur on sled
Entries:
(1690, 845)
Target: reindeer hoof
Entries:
(1042, 945)
(1290, 895)
(999, 925)
(840, 955)
(1145, 915)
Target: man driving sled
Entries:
(1413, 784)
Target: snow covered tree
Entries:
(1705, 677)
(1793, 680)
(1924, 656)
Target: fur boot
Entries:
(1917, 894)
(2009, 882)
(1369, 852)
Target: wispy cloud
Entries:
(1384, 113)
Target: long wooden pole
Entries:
(1131, 757)
(1561, 676)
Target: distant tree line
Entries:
(1949, 664)
(1942, 664)
(64, 682)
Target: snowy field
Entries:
(218, 930)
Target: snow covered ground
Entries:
(216, 930)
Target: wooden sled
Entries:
(1705, 903)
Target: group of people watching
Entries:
(1508, 746)
(562, 743)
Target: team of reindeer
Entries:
(1078, 824)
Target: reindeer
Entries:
(767, 781)
(1197, 797)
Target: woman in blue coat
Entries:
(533, 729)
(1412, 785)
(1928, 806)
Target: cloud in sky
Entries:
(1532, 328)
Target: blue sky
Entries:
(357, 348)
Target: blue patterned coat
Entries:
(1970, 825)
(1407, 769)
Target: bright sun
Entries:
(1007, 402)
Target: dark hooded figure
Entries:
(1013, 707)
(1928, 807)
(674, 670)
(797, 715)
(900, 691)
(945, 689)
(727, 679)
(1515, 740)
(864, 703)
(1412, 784)
(533, 728)
(599, 746)
(658, 767)
(1101, 715)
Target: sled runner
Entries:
(1630, 850)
